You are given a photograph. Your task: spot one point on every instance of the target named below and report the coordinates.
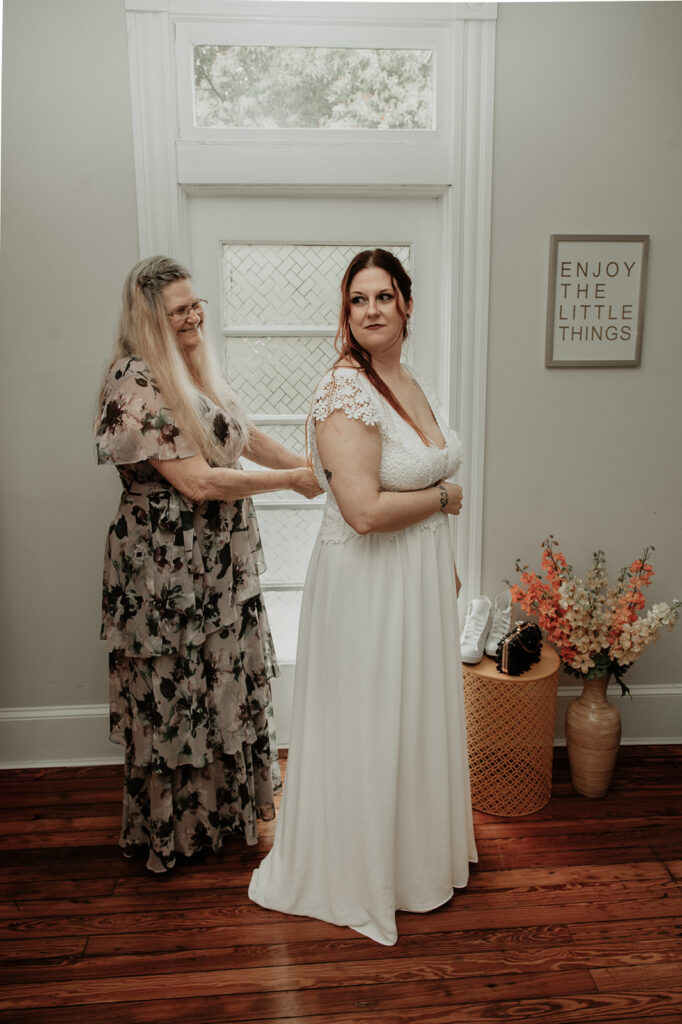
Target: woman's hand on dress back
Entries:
(454, 503)
(304, 482)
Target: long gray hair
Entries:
(183, 378)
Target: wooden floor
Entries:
(573, 914)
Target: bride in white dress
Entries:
(376, 811)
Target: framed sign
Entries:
(595, 304)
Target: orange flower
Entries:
(595, 627)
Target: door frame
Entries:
(375, 219)
(165, 183)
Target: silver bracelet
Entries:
(444, 496)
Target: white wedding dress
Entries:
(376, 811)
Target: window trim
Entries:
(189, 34)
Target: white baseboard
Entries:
(78, 734)
(51, 737)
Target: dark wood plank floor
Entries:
(572, 916)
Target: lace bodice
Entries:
(407, 464)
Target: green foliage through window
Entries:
(312, 87)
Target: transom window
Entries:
(312, 87)
(309, 79)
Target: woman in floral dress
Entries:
(190, 650)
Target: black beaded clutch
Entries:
(519, 649)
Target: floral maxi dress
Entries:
(190, 649)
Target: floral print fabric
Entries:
(190, 648)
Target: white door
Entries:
(270, 268)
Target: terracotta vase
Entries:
(592, 738)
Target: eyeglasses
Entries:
(178, 316)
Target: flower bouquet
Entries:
(598, 632)
(594, 626)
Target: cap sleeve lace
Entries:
(134, 423)
(346, 388)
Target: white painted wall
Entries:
(69, 233)
(587, 140)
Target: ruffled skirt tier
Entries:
(201, 756)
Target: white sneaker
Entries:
(501, 623)
(475, 630)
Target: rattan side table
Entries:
(510, 733)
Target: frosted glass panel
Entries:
(284, 611)
(270, 291)
(292, 435)
(287, 285)
(312, 87)
(288, 536)
(278, 375)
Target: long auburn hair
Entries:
(347, 345)
(144, 332)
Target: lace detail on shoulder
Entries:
(344, 389)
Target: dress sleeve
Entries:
(134, 423)
(346, 389)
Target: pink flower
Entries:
(591, 622)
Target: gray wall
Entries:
(587, 140)
(69, 232)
